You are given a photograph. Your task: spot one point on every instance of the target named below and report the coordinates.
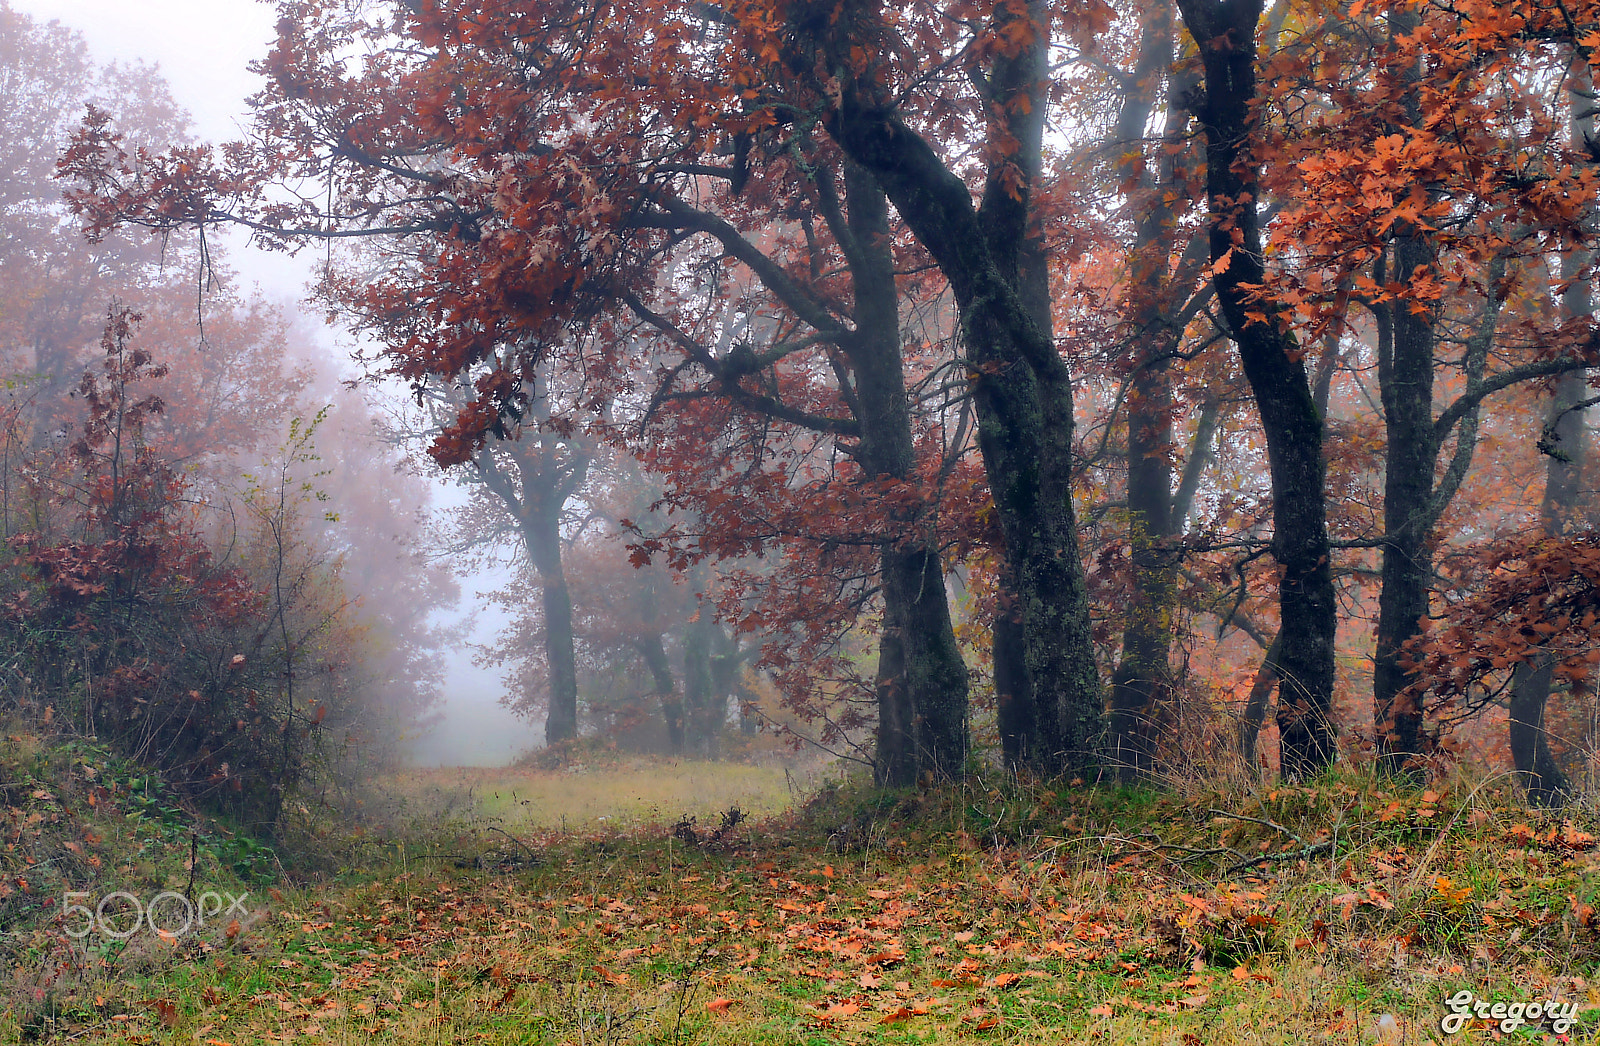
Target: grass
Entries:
(624, 793)
(1014, 913)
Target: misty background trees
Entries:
(211, 562)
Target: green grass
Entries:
(628, 793)
(983, 913)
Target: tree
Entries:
(137, 610)
(639, 172)
(55, 287)
(534, 474)
(1225, 33)
(1384, 213)
(789, 254)
(862, 90)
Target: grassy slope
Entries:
(1018, 915)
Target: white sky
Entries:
(202, 48)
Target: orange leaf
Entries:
(719, 1004)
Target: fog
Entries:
(471, 727)
(202, 50)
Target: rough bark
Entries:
(1406, 336)
(1405, 379)
(922, 679)
(1021, 386)
(1015, 714)
(1224, 32)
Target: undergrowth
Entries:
(1342, 910)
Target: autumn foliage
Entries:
(1187, 357)
(173, 581)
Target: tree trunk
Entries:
(534, 499)
(1142, 676)
(727, 664)
(1141, 683)
(1255, 706)
(1541, 775)
(1069, 712)
(1547, 785)
(542, 538)
(1405, 378)
(1224, 32)
(993, 260)
(1406, 335)
(655, 659)
(1567, 436)
(922, 679)
(934, 670)
(703, 710)
(1015, 714)
(894, 763)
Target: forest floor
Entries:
(1345, 911)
